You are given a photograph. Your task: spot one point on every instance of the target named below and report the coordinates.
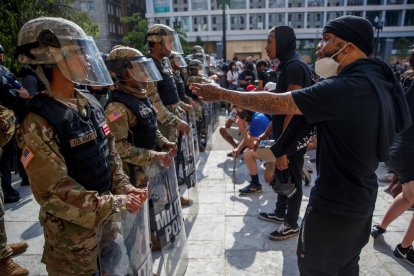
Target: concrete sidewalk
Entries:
(227, 238)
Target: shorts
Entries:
(402, 166)
(235, 133)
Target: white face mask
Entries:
(327, 67)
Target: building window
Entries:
(409, 18)
(295, 20)
(335, 3)
(257, 21)
(216, 22)
(257, 4)
(370, 15)
(185, 24)
(355, 2)
(276, 19)
(277, 3)
(237, 4)
(199, 5)
(200, 23)
(395, 2)
(374, 2)
(180, 5)
(238, 22)
(315, 3)
(315, 20)
(332, 15)
(393, 18)
(355, 13)
(296, 3)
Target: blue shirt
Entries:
(258, 124)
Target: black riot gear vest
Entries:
(166, 87)
(83, 140)
(144, 133)
(180, 87)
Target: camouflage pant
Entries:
(169, 132)
(5, 251)
(69, 248)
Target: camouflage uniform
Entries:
(7, 126)
(71, 216)
(167, 116)
(120, 127)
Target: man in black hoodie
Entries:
(357, 108)
(294, 75)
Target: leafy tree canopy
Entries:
(17, 12)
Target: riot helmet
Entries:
(195, 67)
(124, 59)
(197, 50)
(164, 34)
(60, 42)
(178, 60)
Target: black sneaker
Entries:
(284, 232)
(251, 189)
(272, 217)
(377, 231)
(282, 183)
(407, 254)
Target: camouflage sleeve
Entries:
(7, 125)
(161, 140)
(164, 116)
(55, 191)
(120, 118)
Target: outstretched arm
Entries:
(264, 102)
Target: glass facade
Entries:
(257, 21)
(393, 18)
(199, 5)
(409, 18)
(296, 20)
(238, 22)
(315, 3)
(217, 23)
(296, 3)
(237, 4)
(315, 20)
(276, 19)
(200, 23)
(257, 4)
(277, 3)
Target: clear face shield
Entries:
(144, 70)
(172, 42)
(80, 61)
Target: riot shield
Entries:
(194, 136)
(167, 219)
(124, 246)
(187, 169)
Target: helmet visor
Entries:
(144, 70)
(172, 43)
(180, 61)
(80, 61)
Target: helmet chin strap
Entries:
(42, 77)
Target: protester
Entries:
(401, 162)
(354, 109)
(68, 149)
(232, 76)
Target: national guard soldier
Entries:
(177, 62)
(7, 266)
(161, 41)
(68, 149)
(132, 118)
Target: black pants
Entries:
(10, 161)
(330, 244)
(289, 208)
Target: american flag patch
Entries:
(27, 156)
(115, 115)
(106, 129)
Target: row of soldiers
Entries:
(86, 163)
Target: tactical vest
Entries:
(180, 86)
(167, 88)
(144, 133)
(83, 141)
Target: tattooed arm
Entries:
(264, 102)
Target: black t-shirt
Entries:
(403, 143)
(346, 112)
(293, 73)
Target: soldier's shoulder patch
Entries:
(115, 115)
(27, 156)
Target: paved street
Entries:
(227, 238)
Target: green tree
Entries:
(17, 12)
(136, 37)
(402, 45)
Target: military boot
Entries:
(18, 248)
(9, 268)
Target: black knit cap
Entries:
(354, 29)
